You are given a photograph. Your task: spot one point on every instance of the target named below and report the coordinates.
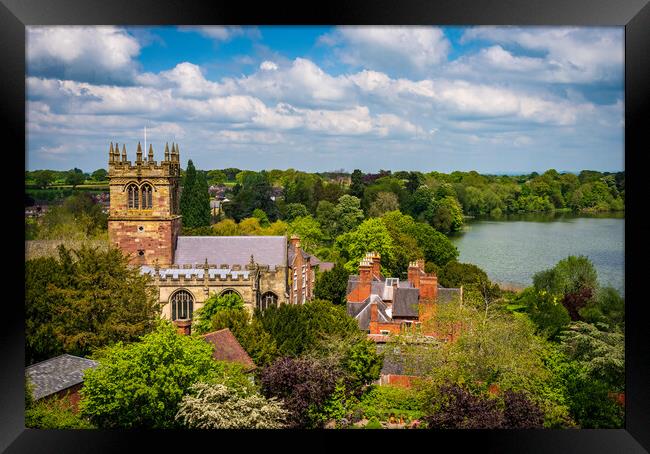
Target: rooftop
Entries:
(233, 250)
(227, 348)
(56, 374)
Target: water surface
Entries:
(511, 249)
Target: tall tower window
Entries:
(182, 302)
(269, 299)
(147, 196)
(133, 192)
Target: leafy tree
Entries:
(216, 177)
(357, 186)
(371, 235)
(142, 384)
(600, 353)
(545, 310)
(54, 413)
(215, 406)
(348, 213)
(100, 175)
(454, 274)
(327, 217)
(85, 300)
(303, 384)
(74, 177)
(445, 215)
(309, 231)
(385, 201)
(226, 227)
(299, 328)
(262, 217)
(215, 303)
(254, 192)
(295, 210)
(43, 178)
(362, 363)
(332, 285)
(607, 308)
(458, 408)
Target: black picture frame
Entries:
(634, 15)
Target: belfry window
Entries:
(269, 299)
(182, 302)
(133, 193)
(147, 196)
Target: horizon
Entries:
(498, 100)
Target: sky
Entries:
(490, 99)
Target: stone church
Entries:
(145, 222)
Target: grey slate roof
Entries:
(361, 311)
(291, 254)
(231, 250)
(406, 302)
(56, 374)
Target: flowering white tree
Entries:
(215, 406)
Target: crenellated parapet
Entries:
(120, 167)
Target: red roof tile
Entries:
(227, 348)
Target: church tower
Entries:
(144, 218)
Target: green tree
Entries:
(216, 177)
(357, 186)
(371, 235)
(261, 216)
(85, 300)
(43, 178)
(384, 202)
(140, 385)
(332, 285)
(187, 201)
(348, 213)
(215, 406)
(215, 303)
(309, 231)
(100, 175)
(295, 210)
(607, 308)
(74, 177)
(545, 310)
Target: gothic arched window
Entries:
(229, 292)
(132, 193)
(269, 299)
(182, 302)
(147, 196)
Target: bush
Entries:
(215, 303)
(54, 413)
(215, 406)
(382, 401)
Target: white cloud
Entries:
(97, 54)
(390, 48)
(222, 33)
(570, 55)
(268, 66)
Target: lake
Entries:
(512, 248)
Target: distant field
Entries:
(48, 248)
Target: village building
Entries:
(59, 377)
(145, 222)
(226, 347)
(387, 305)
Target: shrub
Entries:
(215, 406)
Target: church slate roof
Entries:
(227, 348)
(56, 374)
(231, 250)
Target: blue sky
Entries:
(491, 99)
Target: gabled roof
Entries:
(227, 348)
(56, 374)
(291, 254)
(406, 302)
(231, 250)
(361, 311)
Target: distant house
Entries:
(227, 348)
(61, 376)
(387, 305)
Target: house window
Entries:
(304, 298)
(133, 196)
(182, 302)
(147, 196)
(269, 299)
(385, 332)
(295, 280)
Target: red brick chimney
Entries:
(374, 318)
(363, 288)
(414, 274)
(376, 263)
(295, 241)
(428, 287)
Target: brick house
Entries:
(387, 305)
(59, 377)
